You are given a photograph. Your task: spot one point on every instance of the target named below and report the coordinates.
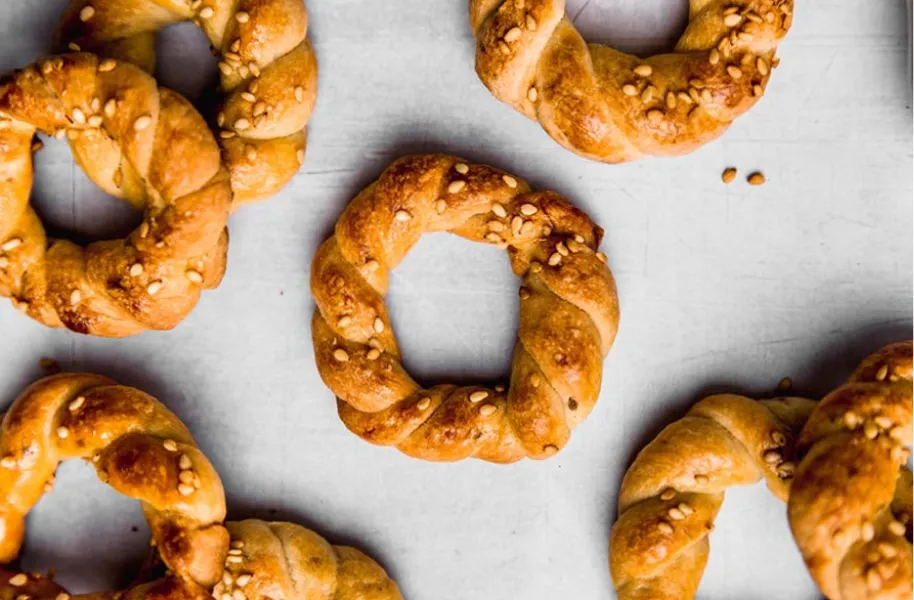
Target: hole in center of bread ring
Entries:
(568, 313)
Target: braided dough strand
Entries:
(284, 560)
(672, 492)
(850, 507)
(613, 107)
(568, 313)
(137, 446)
(267, 68)
(158, 152)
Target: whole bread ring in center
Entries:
(569, 313)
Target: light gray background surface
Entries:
(721, 288)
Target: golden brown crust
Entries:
(156, 152)
(850, 507)
(284, 560)
(267, 67)
(613, 107)
(673, 490)
(137, 446)
(569, 313)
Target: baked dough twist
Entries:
(137, 446)
(673, 491)
(267, 68)
(850, 507)
(155, 151)
(284, 560)
(613, 107)
(569, 313)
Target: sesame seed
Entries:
(378, 325)
(74, 47)
(504, 48)
(706, 95)
(402, 215)
(424, 403)
(142, 122)
(238, 594)
(236, 46)
(762, 66)
(513, 34)
(136, 269)
(8, 462)
(670, 100)
(242, 124)
(778, 438)
(234, 559)
(243, 579)
(225, 68)
(550, 449)
(732, 20)
(757, 90)
(207, 12)
(693, 94)
(340, 355)
(528, 210)
(94, 121)
(887, 550)
(897, 527)
(643, 70)
(456, 186)
(495, 225)
(153, 287)
(79, 116)
(554, 259)
(194, 276)
(531, 22)
(185, 489)
(664, 528)
(629, 90)
(655, 116)
(110, 107)
(373, 354)
(562, 249)
(106, 65)
(227, 595)
(62, 432)
(11, 244)
(478, 396)
(734, 71)
(745, 36)
(4, 262)
(75, 404)
(668, 494)
(227, 579)
(440, 206)
(63, 596)
(499, 210)
(786, 469)
(86, 13)
(509, 181)
(686, 508)
(372, 265)
(75, 297)
(486, 410)
(242, 17)
(524, 293)
(344, 321)
(756, 178)
(19, 579)
(235, 552)
(248, 96)
(601, 257)
(532, 94)
(728, 175)
(882, 372)
(870, 430)
(250, 152)
(300, 155)
(499, 388)
(494, 238)
(462, 168)
(873, 581)
(186, 476)
(714, 56)
(648, 94)
(255, 69)
(771, 456)
(676, 514)
(170, 445)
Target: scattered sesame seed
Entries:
(762, 66)
(185, 489)
(528, 210)
(206, 12)
(664, 528)
(170, 445)
(670, 100)
(505, 49)
(686, 508)
(728, 175)
(440, 206)
(372, 265)
(629, 90)
(509, 181)
(870, 430)
(550, 449)
(896, 527)
(86, 13)
(532, 94)
(62, 432)
(106, 65)
(486, 410)
(873, 581)
(462, 168)
(734, 71)
(655, 116)
(531, 22)
(772, 456)
(424, 403)
(402, 215)
(142, 122)
(668, 494)
(340, 355)
(643, 70)
(373, 354)
(601, 257)
(732, 20)
(76, 403)
(74, 47)
(94, 121)
(513, 34)
(882, 372)
(554, 259)
(714, 56)
(648, 94)
(478, 396)
(79, 116)
(19, 579)
(676, 514)
(242, 17)
(154, 287)
(243, 579)
(778, 438)
(110, 107)
(225, 68)
(8, 462)
(756, 178)
(455, 186)
(194, 276)
(75, 297)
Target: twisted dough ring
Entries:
(137, 446)
(158, 153)
(671, 494)
(267, 68)
(284, 560)
(613, 107)
(850, 507)
(569, 313)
